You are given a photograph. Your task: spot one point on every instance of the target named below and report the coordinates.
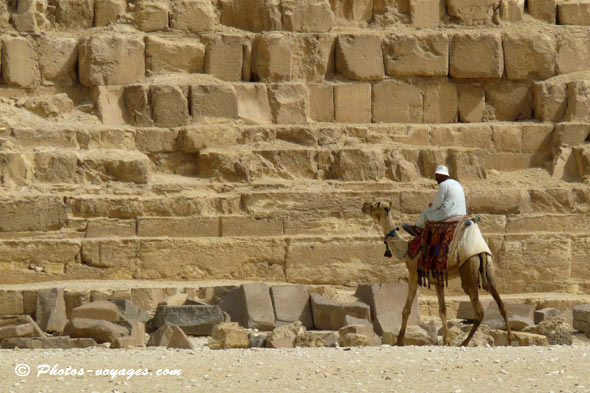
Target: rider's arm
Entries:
(440, 197)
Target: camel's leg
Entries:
(491, 278)
(469, 276)
(442, 312)
(412, 288)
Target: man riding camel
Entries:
(448, 203)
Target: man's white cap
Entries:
(442, 170)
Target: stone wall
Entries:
(196, 139)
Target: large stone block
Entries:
(313, 56)
(473, 12)
(573, 53)
(320, 102)
(356, 11)
(197, 138)
(43, 213)
(170, 105)
(112, 165)
(137, 100)
(519, 316)
(252, 15)
(441, 102)
(225, 56)
(151, 16)
(101, 331)
(11, 302)
(512, 11)
(19, 62)
(577, 101)
(529, 56)
(193, 15)
(396, 101)
(178, 227)
(510, 101)
(164, 55)
(58, 57)
(308, 16)
(272, 57)
(214, 100)
(352, 103)
(476, 55)
(360, 57)
(51, 310)
(420, 54)
(550, 100)
(107, 12)
(291, 303)
(288, 103)
(253, 103)
(387, 302)
(250, 305)
(331, 315)
(543, 9)
(228, 335)
(75, 13)
(574, 13)
(110, 103)
(100, 309)
(358, 165)
(55, 167)
(427, 13)
(129, 311)
(471, 105)
(107, 59)
(581, 314)
(196, 320)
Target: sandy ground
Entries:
(374, 369)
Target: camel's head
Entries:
(377, 210)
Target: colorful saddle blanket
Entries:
(434, 242)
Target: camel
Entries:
(468, 272)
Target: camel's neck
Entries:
(397, 244)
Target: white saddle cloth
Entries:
(467, 242)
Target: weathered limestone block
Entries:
(24, 19)
(582, 155)
(415, 335)
(16, 331)
(348, 335)
(578, 99)
(472, 12)
(519, 316)
(112, 165)
(356, 11)
(507, 138)
(581, 314)
(253, 103)
(50, 106)
(21, 343)
(100, 309)
(107, 59)
(399, 7)
(317, 338)
(195, 319)
(543, 9)
(573, 53)
(110, 228)
(387, 302)
(284, 336)
(360, 57)
(178, 227)
(170, 105)
(313, 56)
(320, 102)
(137, 101)
(225, 56)
(197, 138)
(308, 16)
(214, 100)
(510, 101)
(164, 55)
(557, 330)
(420, 54)
(160, 337)
(57, 59)
(291, 303)
(250, 305)
(288, 103)
(352, 103)
(109, 102)
(441, 102)
(467, 164)
(550, 100)
(19, 62)
(193, 15)
(476, 55)
(252, 15)
(55, 166)
(151, 16)
(574, 13)
(42, 213)
(108, 11)
(471, 103)
(511, 10)
(228, 335)
(396, 101)
(330, 315)
(272, 57)
(99, 330)
(178, 339)
(529, 56)
(51, 310)
(427, 13)
(75, 13)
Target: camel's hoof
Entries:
(400, 343)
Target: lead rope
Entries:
(388, 253)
